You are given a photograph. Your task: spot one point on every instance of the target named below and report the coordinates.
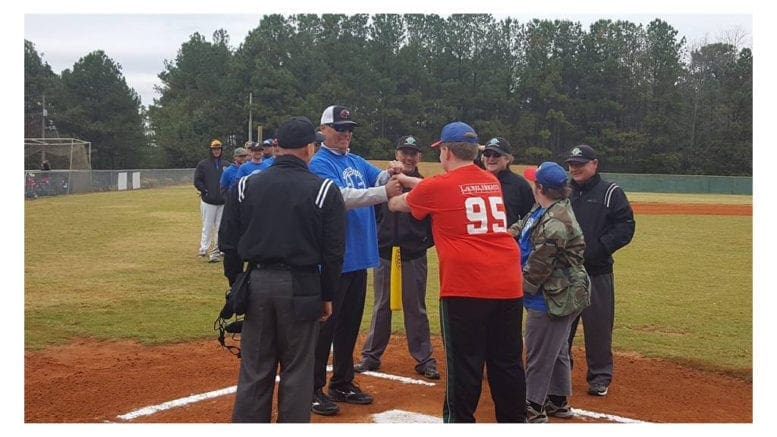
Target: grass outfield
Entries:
(123, 265)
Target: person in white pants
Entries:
(207, 177)
(211, 219)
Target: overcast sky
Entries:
(140, 40)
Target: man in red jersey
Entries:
(480, 278)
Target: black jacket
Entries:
(207, 177)
(517, 194)
(400, 228)
(605, 215)
(288, 215)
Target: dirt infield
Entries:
(91, 382)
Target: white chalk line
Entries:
(401, 416)
(391, 416)
(147, 411)
(402, 379)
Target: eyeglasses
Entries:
(342, 128)
(490, 154)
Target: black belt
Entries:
(282, 266)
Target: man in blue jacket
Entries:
(229, 176)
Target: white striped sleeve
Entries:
(241, 186)
(322, 192)
(608, 194)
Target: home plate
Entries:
(400, 416)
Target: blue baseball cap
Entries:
(548, 174)
(457, 132)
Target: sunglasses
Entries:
(342, 128)
(490, 154)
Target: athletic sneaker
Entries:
(364, 366)
(598, 390)
(564, 411)
(534, 416)
(349, 393)
(322, 404)
(430, 373)
(214, 258)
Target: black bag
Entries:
(237, 296)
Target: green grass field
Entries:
(124, 265)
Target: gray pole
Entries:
(43, 128)
(250, 114)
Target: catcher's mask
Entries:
(223, 326)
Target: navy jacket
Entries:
(207, 177)
(605, 215)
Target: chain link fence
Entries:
(55, 182)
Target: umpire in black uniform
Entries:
(289, 225)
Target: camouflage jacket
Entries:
(555, 264)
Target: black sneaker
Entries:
(430, 373)
(534, 416)
(349, 393)
(322, 404)
(563, 411)
(598, 390)
(365, 367)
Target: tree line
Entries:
(635, 92)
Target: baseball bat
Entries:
(396, 279)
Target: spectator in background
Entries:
(207, 177)
(255, 163)
(229, 176)
(605, 215)
(268, 152)
(497, 157)
(413, 237)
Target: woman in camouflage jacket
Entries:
(556, 289)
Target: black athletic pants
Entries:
(340, 330)
(478, 332)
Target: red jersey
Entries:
(478, 257)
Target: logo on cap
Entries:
(576, 152)
(345, 114)
(493, 142)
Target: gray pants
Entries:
(548, 369)
(598, 321)
(272, 335)
(414, 309)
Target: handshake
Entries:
(399, 180)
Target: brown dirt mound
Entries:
(91, 381)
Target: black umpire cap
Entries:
(581, 154)
(297, 132)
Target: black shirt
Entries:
(517, 194)
(288, 215)
(403, 230)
